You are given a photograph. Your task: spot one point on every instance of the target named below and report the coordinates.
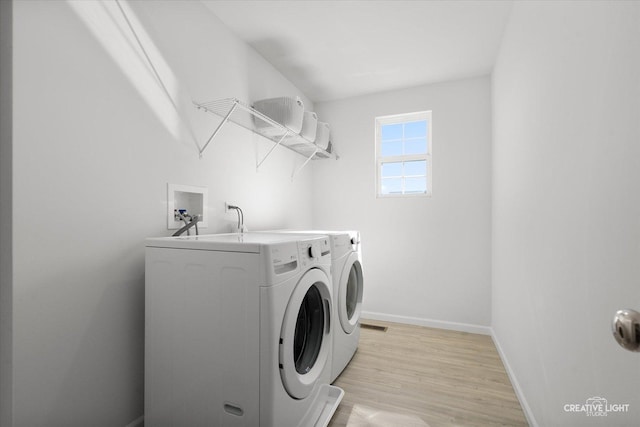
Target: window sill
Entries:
(403, 196)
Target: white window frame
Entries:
(395, 119)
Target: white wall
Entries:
(6, 201)
(566, 204)
(426, 260)
(95, 144)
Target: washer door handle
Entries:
(327, 313)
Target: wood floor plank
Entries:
(413, 376)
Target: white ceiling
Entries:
(338, 49)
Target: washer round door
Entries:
(350, 293)
(306, 334)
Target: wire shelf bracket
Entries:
(297, 171)
(271, 150)
(222, 123)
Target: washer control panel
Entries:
(286, 258)
(316, 250)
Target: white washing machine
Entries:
(238, 331)
(346, 274)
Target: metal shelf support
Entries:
(271, 150)
(297, 171)
(222, 123)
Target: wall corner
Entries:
(6, 209)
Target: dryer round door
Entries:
(306, 334)
(350, 293)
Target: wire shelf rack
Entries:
(235, 111)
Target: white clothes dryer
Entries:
(346, 274)
(348, 281)
(238, 331)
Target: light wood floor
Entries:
(412, 376)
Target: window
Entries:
(403, 155)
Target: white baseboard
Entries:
(514, 382)
(137, 422)
(430, 323)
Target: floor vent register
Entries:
(374, 327)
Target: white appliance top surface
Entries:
(232, 242)
(313, 232)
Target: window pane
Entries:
(392, 131)
(392, 186)
(403, 149)
(415, 129)
(415, 185)
(415, 168)
(391, 148)
(391, 169)
(415, 146)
